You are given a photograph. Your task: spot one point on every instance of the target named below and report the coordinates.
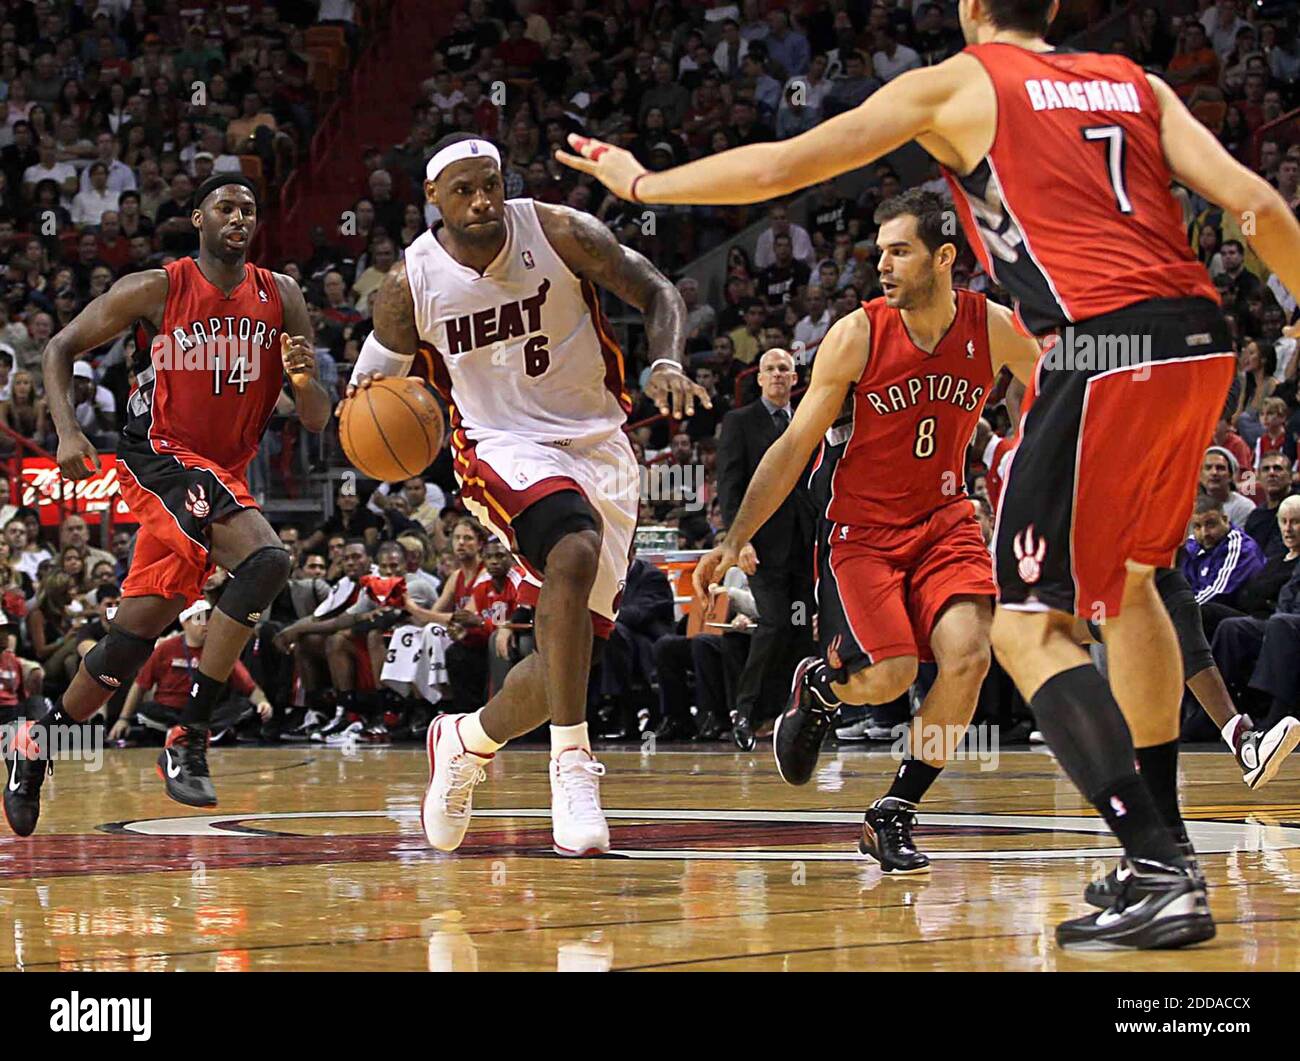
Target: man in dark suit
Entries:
(645, 614)
(779, 564)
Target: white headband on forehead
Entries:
(458, 152)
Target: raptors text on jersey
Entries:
(913, 416)
(213, 370)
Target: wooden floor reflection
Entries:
(315, 860)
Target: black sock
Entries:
(1131, 813)
(1085, 728)
(818, 679)
(55, 716)
(204, 694)
(1158, 766)
(913, 780)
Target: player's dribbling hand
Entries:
(74, 452)
(673, 391)
(614, 167)
(712, 566)
(299, 359)
(364, 380)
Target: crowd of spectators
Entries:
(95, 141)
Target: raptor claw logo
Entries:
(1029, 555)
(196, 502)
(833, 652)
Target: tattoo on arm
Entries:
(592, 252)
(394, 312)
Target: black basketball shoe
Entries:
(887, 836)
(27, 768)
(183, 766)
(799, 733)
(1103, 893)
(1161, 907)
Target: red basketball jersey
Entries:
(1070, 210)
(462, 593)
(913, 417)
(493, 605)
(215, 368)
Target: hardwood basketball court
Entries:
(315, 860)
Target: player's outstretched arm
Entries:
(140, 296)
(389, 349)
(298, 353)
(1198, 160)
(590, 250)
(1010, 346)
(911, 106)
(838, 365)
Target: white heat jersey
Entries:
(522, 350)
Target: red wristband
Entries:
(632, 191)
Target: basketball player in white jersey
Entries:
(499, 300)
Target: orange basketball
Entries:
(391, 430)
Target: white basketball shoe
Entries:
(578, 822)
(453, 773)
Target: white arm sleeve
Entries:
(376, 357)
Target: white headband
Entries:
(459, 151)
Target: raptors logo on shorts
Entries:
(196, 503)
(1030, 552)
(1076, 504)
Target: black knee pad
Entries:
(545, 522)
(254, 584)
(1185, 613)
(118, 657)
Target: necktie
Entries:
(782, 420)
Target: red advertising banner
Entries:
(41, 484)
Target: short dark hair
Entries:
(1206, 503)
(107, 590)
(931, 213)
(1027, 16)
(1234, 243)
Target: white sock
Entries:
(473, 736)
(1230, 730)
(563, 737)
